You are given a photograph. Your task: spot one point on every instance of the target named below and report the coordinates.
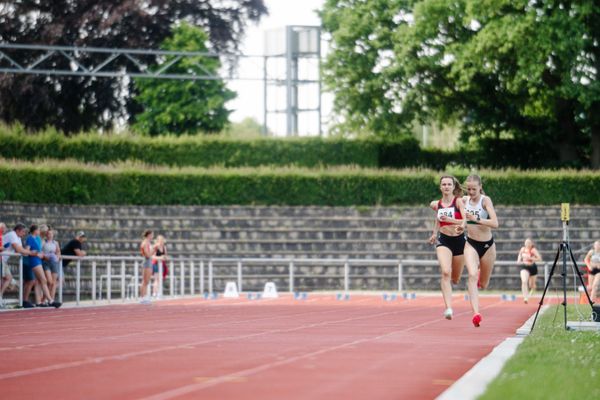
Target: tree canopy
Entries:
(519, 71)
(81, 103)
(183, 107)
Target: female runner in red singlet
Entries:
(527, 258)
(448, 235)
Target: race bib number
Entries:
(445, 212)
(475, 213)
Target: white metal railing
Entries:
(192, 270)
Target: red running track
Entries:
(283, 348)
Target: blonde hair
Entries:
(458, 190)
(476, 178)
(160, 239)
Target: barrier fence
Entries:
(196, 276)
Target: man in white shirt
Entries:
(12, 244)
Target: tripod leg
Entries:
(546, 287)
(580, 277)
(564, 278)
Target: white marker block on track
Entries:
(270, 291)
(231, 291)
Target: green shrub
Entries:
(76, 183)
(309, 152)
(193, 151)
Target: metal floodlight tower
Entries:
(293, 44)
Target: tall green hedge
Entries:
(209, 151)
(75, 183)
(310, 152)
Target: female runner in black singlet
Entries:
(480, 249)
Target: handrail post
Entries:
(94, 282)
(20, 281)
(161, 268)
(182, 284)
(172, 278)
(123, 281)
(61, 279)
(239, 275)
(136, 278)
(346, 276)
(192, 277)
(1, 275)
(201, 277)
(78, 287)
(400, 274)
(108, 280)
(210, 277)
(291, 276)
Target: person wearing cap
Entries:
(12, 244)
(74, 248)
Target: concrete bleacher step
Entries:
(313, 232)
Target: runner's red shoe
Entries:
(476, 320)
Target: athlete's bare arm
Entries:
(436, 227)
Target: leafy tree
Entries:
(509, 71)
(81, 103)
(359, 66)
(184, 107)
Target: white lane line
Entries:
(202, 325)
(187, 389)
(475, 381)
(96, 360)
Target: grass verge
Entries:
(552, 363)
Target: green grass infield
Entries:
(552, 363)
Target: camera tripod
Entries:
(563, 248)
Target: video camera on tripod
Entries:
(565, 249)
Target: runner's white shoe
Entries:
(448, 313)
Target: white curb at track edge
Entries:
(475, 381)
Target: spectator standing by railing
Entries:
(34, 272)
(51, 263)
(5, 276)
(74, 248)
(147, 250)
(592, 260)
(12, 244)
(160, 257)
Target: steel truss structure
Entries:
(107, 62)
(142, 63)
